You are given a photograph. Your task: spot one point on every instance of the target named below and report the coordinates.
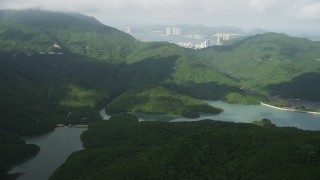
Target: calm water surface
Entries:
(246, 114)
(55, 147)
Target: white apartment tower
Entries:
(168, 31)
(218, 40)
(176, 31)
(173, 31)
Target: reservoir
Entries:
(55, 147)
(247, 114)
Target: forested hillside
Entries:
(64, 67)
(270, 63)
(44, 32)
(122, 148)
(41, 90)
(177, 69)
(46, 78)
(159, 100)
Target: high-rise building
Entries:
(226, 36)
(173, 31)
(168, 31)
(177, 31)
(207, 43)
(218, 40)
(222, 37)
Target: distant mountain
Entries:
(257, 31)
(39, 32)
(311, 37)
(264, 60)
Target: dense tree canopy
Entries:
(124, 148)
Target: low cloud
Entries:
(262, 5)
(311, 11)
(263, 13)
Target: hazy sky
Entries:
(276, 15)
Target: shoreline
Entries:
(288, 109)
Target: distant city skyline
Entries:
(288, 16)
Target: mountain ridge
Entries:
(268, 59)
(37, 31)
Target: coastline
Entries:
(288, 109)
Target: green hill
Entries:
(159, 100)
(125, 149)
(177, 69)
(262, 61)
(54, 68)
(38, 91)
(305, 86)
(38, 32)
